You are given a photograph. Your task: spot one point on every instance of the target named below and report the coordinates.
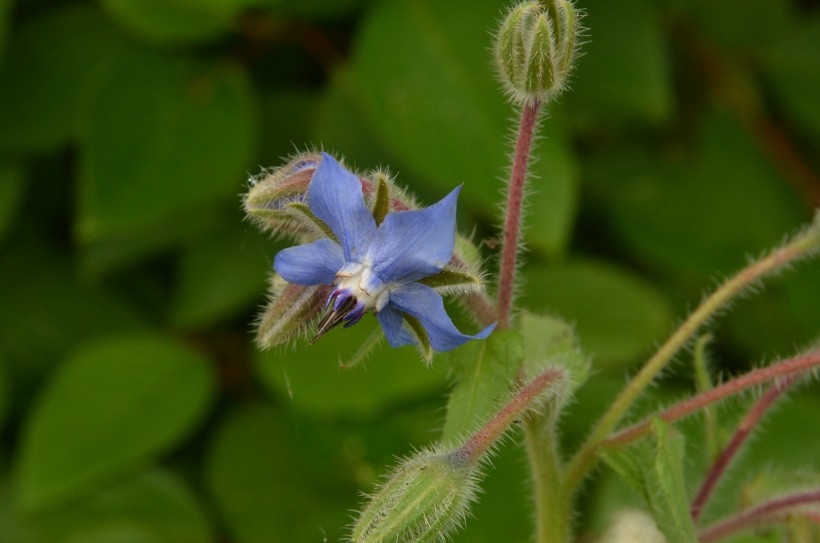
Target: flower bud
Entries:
(535, 49)
(267, 201)
(424, 500)
(289, 313)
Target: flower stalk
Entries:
(514, 210)
(744, 429)
(805, 244)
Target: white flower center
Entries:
(360, 281)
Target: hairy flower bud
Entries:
(535, 49)
(424, 500)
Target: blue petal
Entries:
(392, 323)
(312, 264)
(426, 305)
(410, 245)
(335, 196)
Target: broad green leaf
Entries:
(340, 124)
(703, 213)
(50, 61)
(176, 21)
(485, 373)
(623, 75)
(46, 311)
(548, 342)
(791, 64)
(153, 507)
(113, 405)
(262, 484)
(310, 377)
(654, 469)
(11, 197)
(423, 71)
(220, 275)
(618, 315)
(162, 139)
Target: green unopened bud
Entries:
(267, 202)
(424, 500)
(535, 49)
(289, 313)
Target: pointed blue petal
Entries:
(392, 323)
(426, 305)
(335, 196)
(312, 264)
(410, 245)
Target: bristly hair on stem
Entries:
(513, 217)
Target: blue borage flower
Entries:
(376, 267)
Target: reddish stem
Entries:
(753, 378)
(513, 216)
(481, 441)
(763, 513)
(738, 439)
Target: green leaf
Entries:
(11, 197)
(427, 89)
(703, 213)
(550, 342)
(623, 75)
(50, 62)
(5, 8)
(262, 484)
(142, 176)
(153, 507)
(485, 372)
(310, 378)
(221, 275)
(655, 470)
(4, 390)
(114, 405)
(791, 64)
(618, 315)
(451, 277)
(176, 21)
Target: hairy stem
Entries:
(513, 216)
(784, 368)
(478, 445)
(802, 245)
(764, 513)
(744, 429)
(552, 515)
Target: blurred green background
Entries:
(134, 406)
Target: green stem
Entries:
(586, 457)
(552, 508)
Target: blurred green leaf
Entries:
(314, 10)
(221, 275)
(5, 8)
(113, 405)
(285, 118)
(703, 214)
(655, 470)
(340, 123)
(179, 22)
(618, 315)
(429, 92)
(310, 376)
(4, 389)
(485, 373)
(11, 197)
(792, 65)
(261, 484)
(742, 25)
(154, 507)
(47, 312)
(50, 62)
(162, 139)
(623, 75)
